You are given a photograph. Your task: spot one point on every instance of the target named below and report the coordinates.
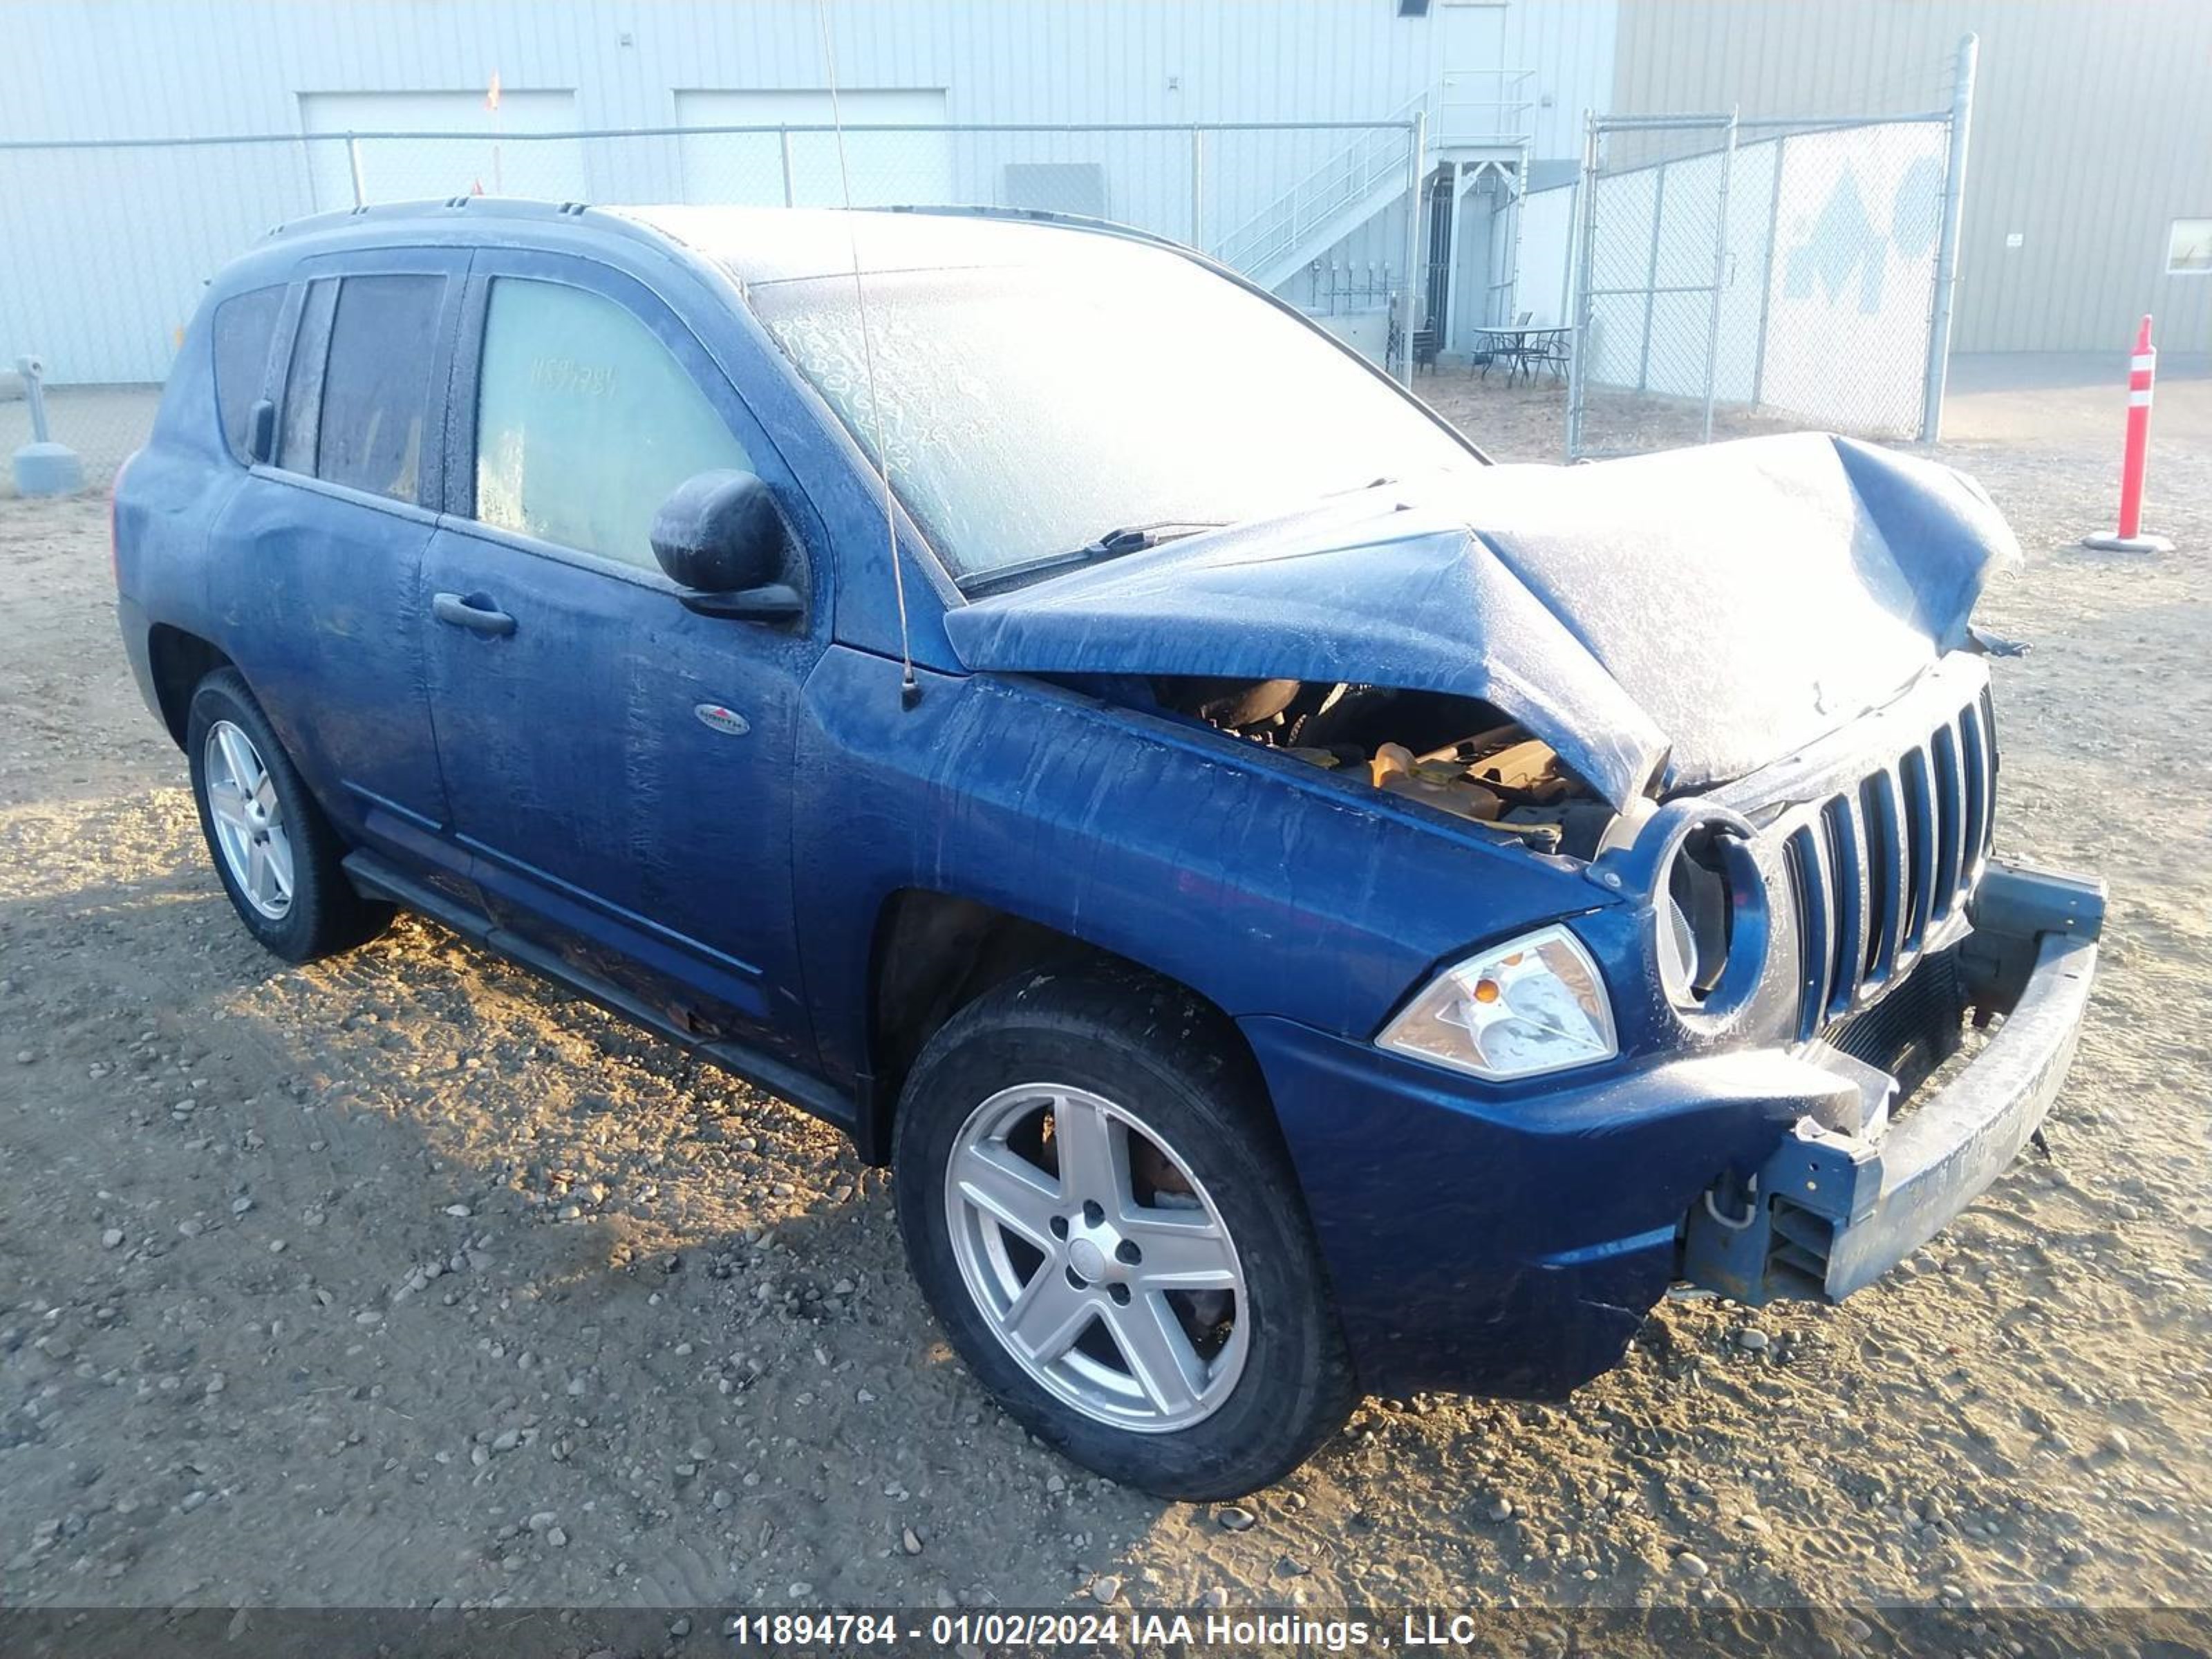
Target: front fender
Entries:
(1266, 886)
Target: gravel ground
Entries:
(402, 1280)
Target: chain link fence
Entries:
(1725, 277)
(107, 245)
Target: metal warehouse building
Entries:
(2089, 186)
(1277, 135)
(1321, 92)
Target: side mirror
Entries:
(720, 538)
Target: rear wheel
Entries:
(1096, 1203)
(276, 854)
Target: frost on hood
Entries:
(1668, 621)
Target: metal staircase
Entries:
(1483, 111)
(1327, 206)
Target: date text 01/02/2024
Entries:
(1083, 1631)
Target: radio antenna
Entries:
(909, 688)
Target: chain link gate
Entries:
(1652, 248)
(1727, 276)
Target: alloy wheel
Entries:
(249, 821)
(1097, 1257)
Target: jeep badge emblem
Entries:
(728, 721)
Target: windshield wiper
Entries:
(1128, 538)
(1136, 538)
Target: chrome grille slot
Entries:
(1839, 823)
(1882, 802)
(1920, 846)
(1809, 887)
(1950, 846)
(1978, 757)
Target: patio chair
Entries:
(1425, 349)
(1522, 351)
(1552, 349)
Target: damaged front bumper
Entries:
(1830, 1212)
(1510, 1242)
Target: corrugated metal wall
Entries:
(105, 68)
(2093, 132)
(1570, 45)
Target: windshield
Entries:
(1029, 409)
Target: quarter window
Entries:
(586, 421)
(244, 325)
(376, 384)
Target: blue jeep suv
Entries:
(1303, 909)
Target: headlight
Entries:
(1534, 1005)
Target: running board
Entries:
(377, 879)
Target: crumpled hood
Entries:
(1680, 619)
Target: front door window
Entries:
(585, 423)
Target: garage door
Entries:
(746, 169)
(492, 160)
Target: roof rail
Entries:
(498, 207)
(515, 207)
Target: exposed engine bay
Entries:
(1457, 754)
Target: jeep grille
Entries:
(1877, 870)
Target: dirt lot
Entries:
(401, 1280)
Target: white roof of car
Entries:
(770, 245)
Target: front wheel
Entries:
(1096, 1204)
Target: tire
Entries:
(301, 907)
(1142, 1072)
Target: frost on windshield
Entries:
(932, 412)
(1028, 409)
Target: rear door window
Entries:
(244, 325)
(586, 421)
(376, 384)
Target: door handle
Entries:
(476, 612)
